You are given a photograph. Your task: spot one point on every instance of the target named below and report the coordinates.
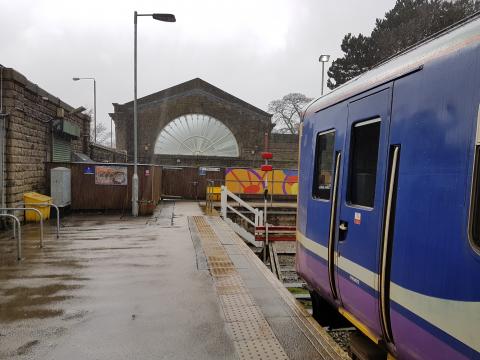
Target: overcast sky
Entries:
(257, 50)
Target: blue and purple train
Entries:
(389, 199)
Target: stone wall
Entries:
(106, 154)
(247, 123)
(30, 112)
(284, 148)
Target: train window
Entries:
(475, 202)
(474, 218)
(365, 138)
(322, 181)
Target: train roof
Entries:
(453, 39)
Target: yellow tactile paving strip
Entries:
(322, 342)
(251, 334)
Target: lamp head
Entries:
(324, 58)
(164, 17)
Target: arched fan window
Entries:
(196, 134)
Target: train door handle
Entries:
(343, 228)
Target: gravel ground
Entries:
(342, 338)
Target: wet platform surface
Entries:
(178, 285)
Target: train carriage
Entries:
(389, 199)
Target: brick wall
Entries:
(30, 112)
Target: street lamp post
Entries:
(323, 59)
(94, 104)
(159, 17)
(111, 133)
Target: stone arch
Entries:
(196, 135)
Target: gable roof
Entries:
(195, 84)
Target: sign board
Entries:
(147, 172)
(89, 170)
(202, 171)
(111, 175)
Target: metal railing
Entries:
(252, 187)
(45, 205)
(255, 188)
(226, 194)
(32, 209)
(16, 234)
(211, 196)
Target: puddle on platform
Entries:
(34, 302)
(9, 275)
(22, 350)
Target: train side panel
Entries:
(435, 293)
(313, 210)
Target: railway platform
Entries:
(177, 285)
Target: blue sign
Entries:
(89, 170)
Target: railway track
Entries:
(281, 261)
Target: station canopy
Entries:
(196, 135)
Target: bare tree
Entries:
(287, 112)
(103, 133)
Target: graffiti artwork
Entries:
(252, 181)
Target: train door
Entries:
(360, 210)
(328, 138)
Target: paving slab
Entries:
(113, 288)
(296, 331)
(268, 302)
(177, 285)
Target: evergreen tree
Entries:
(409, 22)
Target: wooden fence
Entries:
(155, 182)
(87, 195)
(189, 182)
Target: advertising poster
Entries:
(111, 175)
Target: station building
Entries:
(198, 124)
(38, 129)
